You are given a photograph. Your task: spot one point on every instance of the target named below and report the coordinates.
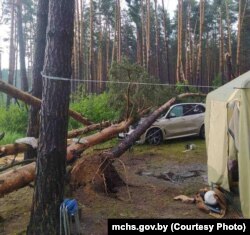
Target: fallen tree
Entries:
(13, 149)
(31, 100)
(16, 148)
(103, 162)
(87, 129)
(15, 179)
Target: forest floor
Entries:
(155, 175)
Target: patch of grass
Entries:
(10, 137)
(175, 150)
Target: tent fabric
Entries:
(218, 141)
(244, 153)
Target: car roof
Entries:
(188, 103)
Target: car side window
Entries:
(192, 109)
(199, 109)
(189, 109)
(176, 111)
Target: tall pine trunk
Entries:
(221, 50)
(11, 52)
(24, 79)
(166, 44)
(40, 44)
(157, 74)
(148, 44)
(199, 56)
(49, 184)
(91, 53)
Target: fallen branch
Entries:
(31, 100)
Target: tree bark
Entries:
(199, 56)
(91, 87)
(16, 179)
(239, 39)
(157, 43)
(24, 79)
(75, 149)
(148, 44)
(81, 131)
(119, 40)
(11, 53)
(13, 149)
(31, 100)
(222, 50)
(40, 44)
(51, 158)
(166, 43)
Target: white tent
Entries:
(227, 126)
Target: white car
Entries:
(181, 120)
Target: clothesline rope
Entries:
(125, 83)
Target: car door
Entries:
(193, 118)
(172, 123)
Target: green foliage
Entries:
(128, 97)
(94, 107)
(13, 122)
(217, 81)
(182, 87)
(10, 137)
(13, 119)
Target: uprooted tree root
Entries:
(96, 173)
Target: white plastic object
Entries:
(209, 198)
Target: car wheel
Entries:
(154, 136)
(202, 132)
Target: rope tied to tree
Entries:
(69, 217)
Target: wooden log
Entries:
(13, 149)
(82, 131)
(108, 133)
(31, 100)
(16, 179)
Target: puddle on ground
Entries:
(174, 176)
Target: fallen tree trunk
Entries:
(75, 149)
(82, 131)
(31, 100)
(13, 149)
(17, 178)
